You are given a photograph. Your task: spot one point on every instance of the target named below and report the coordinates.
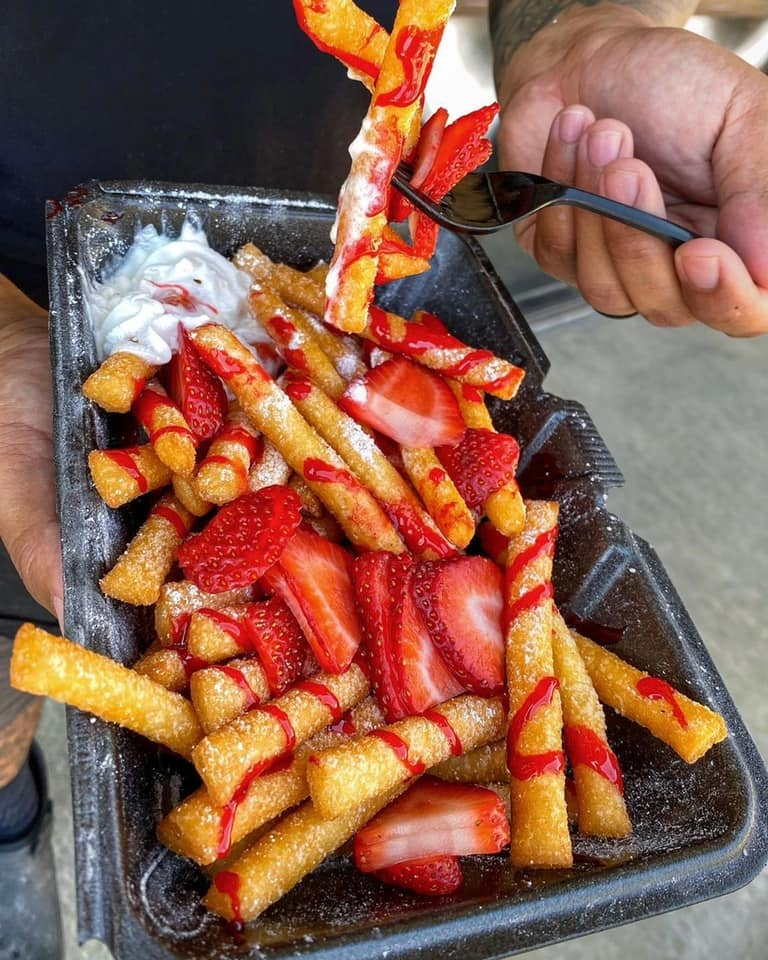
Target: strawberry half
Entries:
(425, 678)
(198, 393)
(378, 577)
(480, 463)
(276, 637)
(433, 819)
(242, 541)
(431, 877)
(461, 603)
(406, 402)
(314, 579)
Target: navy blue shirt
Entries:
(227, 93)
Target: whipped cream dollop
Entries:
(161, 282)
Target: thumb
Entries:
(29, 525)
(740, 167)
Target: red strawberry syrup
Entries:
(654, 688)
(586, 747)
(126, 462)
(400, 749)
(324, 695)
(526, 766)
(446, 729)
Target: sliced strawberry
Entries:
(433, 818)
(378, 578)
(461, 602)
(242, 541)
(463, 148)
(480, 463)
(425, 677)
(199, 394)
(421, 162)
(277, 638)
(314, 579)
(431, 876)
(407, 402)
(493, 541)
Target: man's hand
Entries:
(605, 99)
(29, 526)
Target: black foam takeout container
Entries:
(700, 830)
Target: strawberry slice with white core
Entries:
(314, 580)
(461, 602)
(379, 577)
(431, 877)
(277, 638)
(425, 677)
(433, 819)
(406, 402)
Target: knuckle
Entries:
(606, 297)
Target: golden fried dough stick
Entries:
(360, 516)
(54, 667)
(311, 504)
(434, 347)
(438, 492)
(169, 667)
(186, 492)
(224, 691)
(179, 600)
(486, 764)
(225, 757)
(539, 819)
(283, 856)
(356, 772)
(216, 634)
(596, 772)
(200, 830)
(270, 468)
(124, 474)
(167, 429)
(369, 465)
(117, 383)
(319, 272)
(222, 474)
(688, 727)
(143, 567)
(396, 105)
(296, 339)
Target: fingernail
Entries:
(603, 146)
(702, 272)
(570, 125)
(622, 186)
(58, 609)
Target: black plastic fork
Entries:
(486, 202)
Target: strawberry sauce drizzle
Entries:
(400, 749)
(345, 725)
(437, 475)
(169, 514)
(235, 465)
(125, 460)
(321, 472)
(415, 49)
(654, 688)
(543, 544)
(179, 296)
(526, 766)
(155, 435)
(240, 435)
(327, 697)
(417, 535)
(227, 882)
(252, 699)
(529, 600)
(446, 729)
(285, 722)
(229, 810)
(298, 388)
(235, 628)
(584, 746)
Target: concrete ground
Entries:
(685, 413)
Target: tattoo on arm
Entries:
(514, 22)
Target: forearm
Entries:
(514, 23)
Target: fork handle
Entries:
(631, 216)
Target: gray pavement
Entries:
(685, 413)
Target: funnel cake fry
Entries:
(186, 492)
(168, 666)
(54, 667)
(596, 773)
(356, 772)
(117, 383)
(122, 475)
(259, 737)
(167, 429)
(218, 633)
(486, 764)
(222, 474)
(438, 492)
(370, 466)
(688, 727)
(360, 516)
(194, 827)
(179, 600)
(143, 568)
(222, 692)
(539, 817)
